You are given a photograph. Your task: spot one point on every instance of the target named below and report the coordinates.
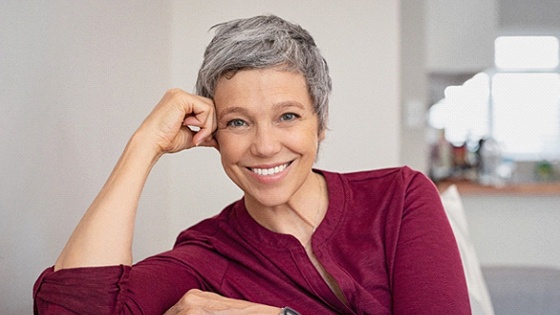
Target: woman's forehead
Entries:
(258, 87)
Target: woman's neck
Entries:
(300, 216)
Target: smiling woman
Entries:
(372, 242)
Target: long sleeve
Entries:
(81, 291)
(428, 277)
(149, 287)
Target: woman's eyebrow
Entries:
(286, 104)
(233, 109)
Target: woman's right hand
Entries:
(168, 127)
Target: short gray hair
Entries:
(266, 42)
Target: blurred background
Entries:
(77, 78)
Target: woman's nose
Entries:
(265, 143)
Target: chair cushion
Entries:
(478, 292)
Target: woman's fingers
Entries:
(200, 113)
(201, 302)
(181, 121)
(206, 125)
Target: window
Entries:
(517, 103)
(526, 52)
(526, 114)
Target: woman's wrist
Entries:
(141, 146)
(288, 311)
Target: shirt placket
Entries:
(316, 282)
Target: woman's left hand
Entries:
(197, 302)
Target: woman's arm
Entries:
(428, 276)
(104, 235)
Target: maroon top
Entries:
(385, 239)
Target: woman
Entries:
(374, 242)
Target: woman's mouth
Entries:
(269, 171)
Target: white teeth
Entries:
(269, 171)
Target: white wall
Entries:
(77, 78)
(460, 35)
(414, 85)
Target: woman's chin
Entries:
(267, 199)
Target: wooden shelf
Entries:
(526, 189)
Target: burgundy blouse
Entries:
(385, 239)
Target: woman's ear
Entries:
(322, 134)
(215, 143)
(211, 142)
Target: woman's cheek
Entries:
(231, 146)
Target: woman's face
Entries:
(267, 133)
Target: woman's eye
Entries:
(288, 116)
(236, 123)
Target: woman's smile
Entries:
(269, 171)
